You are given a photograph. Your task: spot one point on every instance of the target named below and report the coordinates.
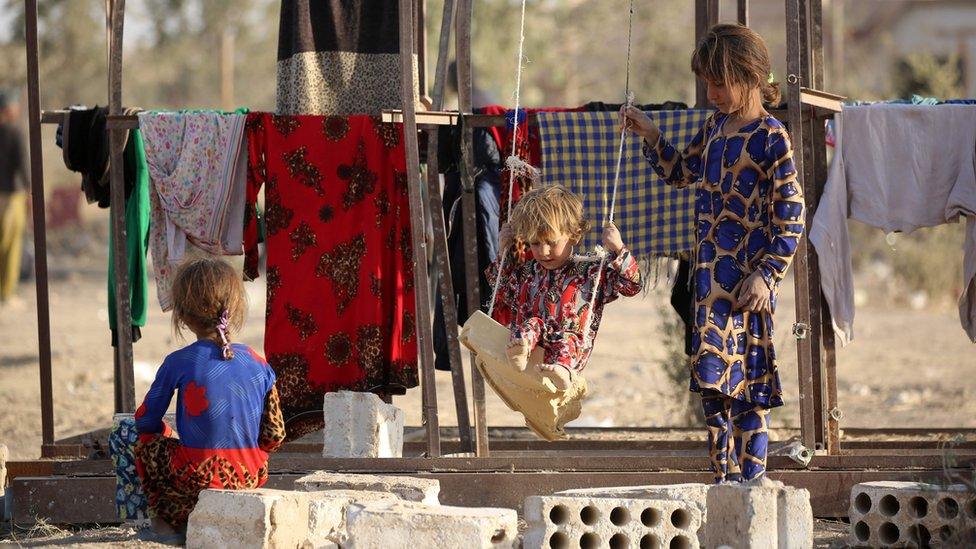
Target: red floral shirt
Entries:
(550, 308)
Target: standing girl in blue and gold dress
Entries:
(749, 210)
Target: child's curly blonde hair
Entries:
(549, 211)
(209, 299)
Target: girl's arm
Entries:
(149, 416)
(679, 168)
(622, 277)
(272, 432)
(786, 211)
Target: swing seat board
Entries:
(531, 392)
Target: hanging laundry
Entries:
(683, 302)
(897, 168)
(137, 212)
(339, 57)
(197, 167)
(85, 146)
(600, 106)
(579, 150)
(488, 165)
(527, 147)
(340, 309)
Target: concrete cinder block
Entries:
(249, 519)
(361, 425)
(579, 521)
(885, 514)
(691, 493)
(760, 514)
(411, 525)
(327, 515)
(424, 490)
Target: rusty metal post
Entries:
(125, 379)
(742, 13)
(706, 15)
(421, 287)
(441, 256)
(801, 264)
(831, 411)
(468, 213)
(420, 47)
(40, 231)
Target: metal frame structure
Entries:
(516, 467)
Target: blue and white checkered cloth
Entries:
(579, 151)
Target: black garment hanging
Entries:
(600, 106)
(85, 148)
(488, 166)
(683, 300)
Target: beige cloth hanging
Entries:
(531, 392)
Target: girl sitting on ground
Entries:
(227, 410)
(547, 298)
(749, 208)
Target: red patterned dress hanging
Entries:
(340, 307)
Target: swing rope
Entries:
(514, 164)
(517, 165)
(629, 95)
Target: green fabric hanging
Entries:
(137, 237)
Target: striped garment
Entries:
(579, 151)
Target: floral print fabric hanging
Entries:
(340, 307)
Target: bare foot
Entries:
(518, 354)
(559, 375)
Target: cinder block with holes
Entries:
(900, 514)
(762, 514)
(689, 493)
(570, 522)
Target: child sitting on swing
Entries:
(547, 298)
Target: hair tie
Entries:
(222, 331)
(771, 78)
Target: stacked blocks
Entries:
(361, 425)
(412, 525)
(566, 522)
(424, 490)
(248, 519)
(888, 514)
(760, 514)
(327, 513)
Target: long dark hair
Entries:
(735, 54)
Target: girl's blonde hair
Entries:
(735, 54)
(548, 211)
(208, 298)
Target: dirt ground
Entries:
(907, 368)
(829, 534)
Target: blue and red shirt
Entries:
(219, 404)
